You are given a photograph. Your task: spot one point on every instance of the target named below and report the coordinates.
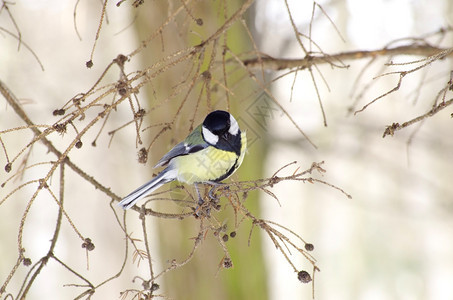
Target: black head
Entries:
(217, 122)
(221, 130)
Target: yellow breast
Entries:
(208, 164)
(205, 165)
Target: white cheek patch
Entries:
(234, 127)
(209, 137)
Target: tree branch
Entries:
(12, 101)
(390, 130)
(270, 63)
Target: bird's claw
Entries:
(204, 207)
(211, 195)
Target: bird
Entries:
(212, 152)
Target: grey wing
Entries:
(178, 150)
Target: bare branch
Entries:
(271, 63)
(390, 130)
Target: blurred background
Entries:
(392, 240)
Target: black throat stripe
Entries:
(227, 174)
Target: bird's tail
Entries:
(161, 179)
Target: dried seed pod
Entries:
(309, 247)
(304, 277)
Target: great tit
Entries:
(210, 153)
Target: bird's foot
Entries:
(202, 209)
(212, 191)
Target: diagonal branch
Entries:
(390, 130)
(12, 100)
